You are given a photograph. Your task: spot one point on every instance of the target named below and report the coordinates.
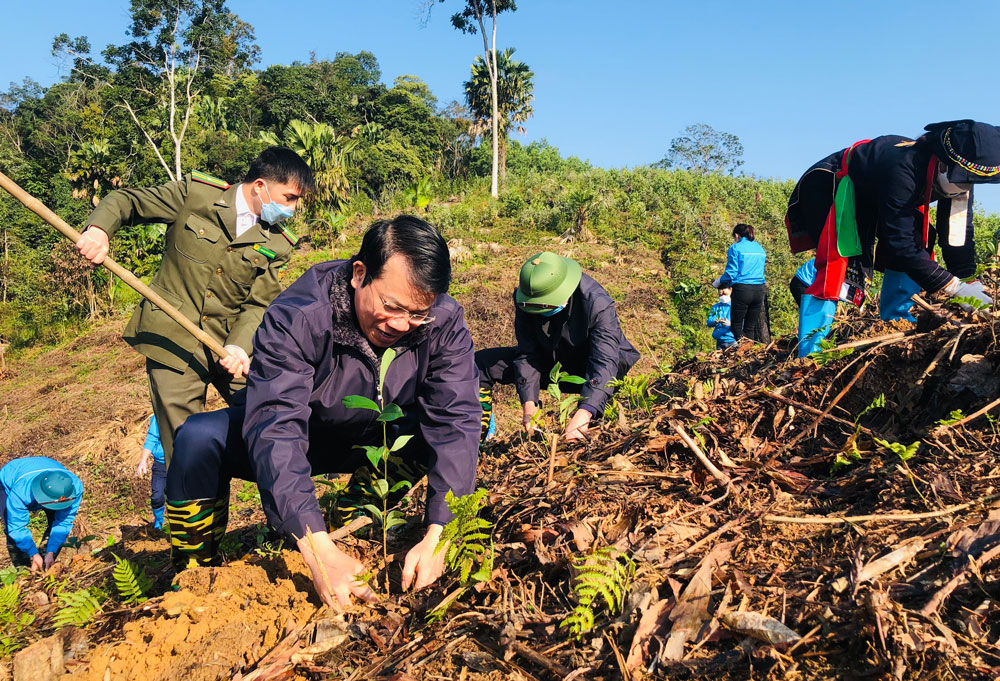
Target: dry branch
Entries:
(693, 446)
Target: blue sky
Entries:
(615, 81)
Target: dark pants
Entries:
(210, 451)
(496, 365)
(178, 394)
(747, 311)
(158, 485)
(19, 558)
(798, 288)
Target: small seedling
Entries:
(379, 455)
(828, 353)
(970, 301)
(954, 417)
(632, 392)
(877, 403)
(905, 452)
(564, 403)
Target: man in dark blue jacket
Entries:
(560, 315)
(881, 190)
(320, 341)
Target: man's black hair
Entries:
(421, 244)
(281, 164)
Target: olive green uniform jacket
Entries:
(217, 280)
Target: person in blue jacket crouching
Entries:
(37, 483)
(718, 319)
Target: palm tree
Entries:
(326, 152)
(91, 170)
(515, 92)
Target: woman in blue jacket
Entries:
(37, 483)
(745, 275)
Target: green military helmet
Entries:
(53, 490)
(547, 282)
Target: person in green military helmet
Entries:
(560, 315)
(224, 248)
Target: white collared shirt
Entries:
(245, 218)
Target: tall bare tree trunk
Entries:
(494, 76)
(491, 67)
(6, 261)
(503, 161)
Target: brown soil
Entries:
(219, 621)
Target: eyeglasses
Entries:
(537, 307)
(396, 312)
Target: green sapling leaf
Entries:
(359, 402)
(390, 413)
(400, 442)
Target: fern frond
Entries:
(79, 608)
(130, 581)
(580, 621)
(602, 575)
(9, 597)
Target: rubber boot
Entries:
(815, 319)
(895, 302)
(196, 530)
(158, 517)
(489, 426)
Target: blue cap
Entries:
(53, 490)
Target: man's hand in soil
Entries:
(93, 245)
(37, 563)
(528, 410)
(577, 427)
(238, 363)
(422, 562)
(333, 571)
(50, 559)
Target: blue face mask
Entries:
(273, 212)
(549, 313)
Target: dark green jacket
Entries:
(216, 280)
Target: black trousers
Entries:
(496, 365)
(798, 288)
(19, 558)
(210, 451)
(747, 309)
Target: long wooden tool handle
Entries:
(39, 209)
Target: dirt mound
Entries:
(218, 622)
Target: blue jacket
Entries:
(309, 354)
(152, 442)
(744, 263)
(807, 273)
(721, 332)
(16, 478)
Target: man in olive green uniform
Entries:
(224, 247)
